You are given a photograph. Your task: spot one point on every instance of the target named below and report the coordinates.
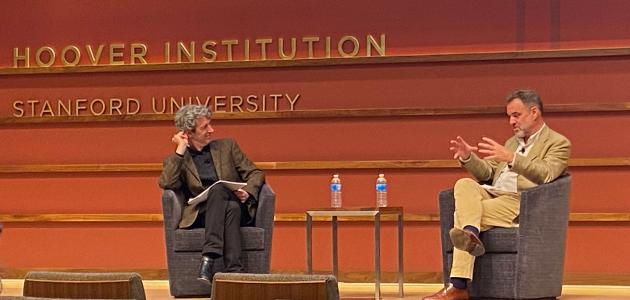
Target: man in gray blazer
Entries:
(197, 163)
(534, 155)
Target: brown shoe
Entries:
(466, 241)
(449, 293)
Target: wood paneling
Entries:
(281, 289)
(81, 168)
(330, 113)
(85, 165)
(280, 217)
(410, 277)
(81, 218)
(292, 165)
(322, 62)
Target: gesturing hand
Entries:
(495, 151)
(461, 148)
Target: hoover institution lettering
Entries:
(206, 51)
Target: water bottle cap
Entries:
(336, 175)
(381, 175)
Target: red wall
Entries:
(411, 27)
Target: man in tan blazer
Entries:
(197, 163)
(534, 155)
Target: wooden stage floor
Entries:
(158, 290)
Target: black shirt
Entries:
(205, 165)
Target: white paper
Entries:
(494, 189)
(233, 186)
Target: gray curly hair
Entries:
(186, 117)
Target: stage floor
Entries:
(158, 290)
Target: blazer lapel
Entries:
(540, 142)
(190, 166)
(216, 158)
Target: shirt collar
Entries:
(194, 151)
(532, 138)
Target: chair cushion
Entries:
(252, 238)
(500, 240)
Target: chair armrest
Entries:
(543, 223)
(545, 212)
(264, 219)
(172, 204)
(447, 219)
(266, 207)
(446, 201)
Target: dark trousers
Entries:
(221, 218)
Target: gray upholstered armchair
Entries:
(183, 246)
(523, 262)
(235, 286)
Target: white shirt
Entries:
(507, 181)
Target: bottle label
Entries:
(381, 187)
(335, 187)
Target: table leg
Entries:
(335, 261)
(309, 244)
(377, 256)
(401, 271)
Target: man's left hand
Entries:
(241, 195)
(495, 151)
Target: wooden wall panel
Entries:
(584, 23)
(83, 246)
(412, 28)
(603, 190)
(606, 244)
(289, 140)
(379, 86)
(418, 26)
(297, 191)
(81, 193)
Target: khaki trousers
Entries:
(477, 207)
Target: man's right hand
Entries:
(181, 140)
(461, 148)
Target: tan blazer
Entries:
(180, 173)
(546, 161)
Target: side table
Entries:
(375, 214)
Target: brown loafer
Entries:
(466, 241)
(449, 293)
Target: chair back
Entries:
(83, 285)
(235, 286)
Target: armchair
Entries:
(79, 285)
(183, 246)
(523, 262)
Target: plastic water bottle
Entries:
(335, 191)
(381, 191)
